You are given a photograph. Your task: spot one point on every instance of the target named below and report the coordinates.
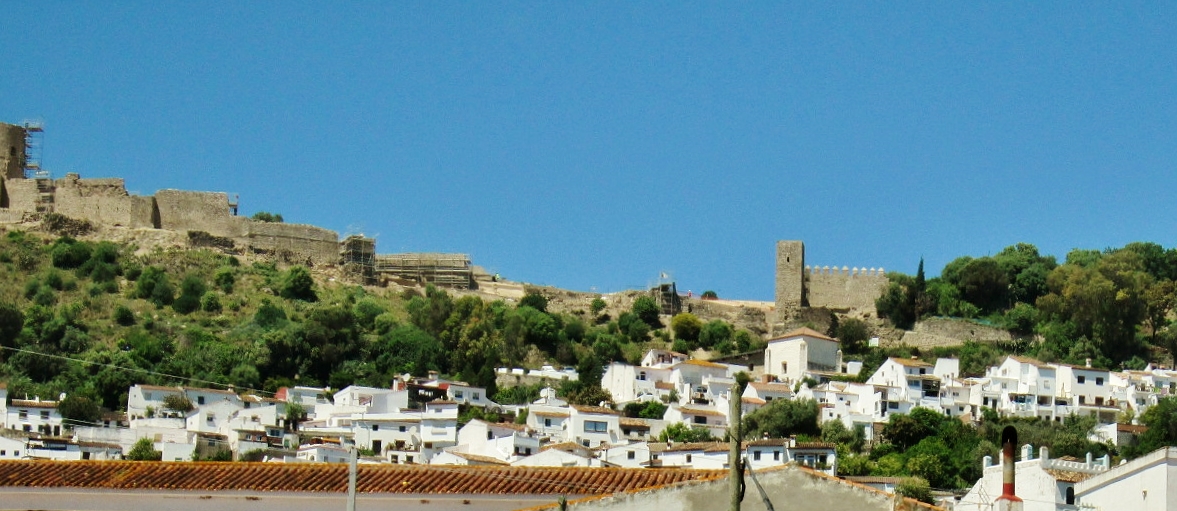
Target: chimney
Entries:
(1043, 453)
(1008, 501)
(986, 462)
(1027, 452)
(1089, 459)
(1088, 362)
(838, 363)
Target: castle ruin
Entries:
(209, 219)
(847, 290)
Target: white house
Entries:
(323, 453)
(439, 427)
(593, 426)
(792, 356)
(1043, 483)
(566, 454)
(12, 448)
(1147, 483)
(34, 415)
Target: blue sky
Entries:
(594, 145)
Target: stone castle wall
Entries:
(105, 202)
(850, 290)
(101, 201)
(844, 288)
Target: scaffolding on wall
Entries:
(358, 255)
(33, 168)
(448, 270)
(34, 149)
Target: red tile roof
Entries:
(563, 415)
(803, 332)
(332, 477)
(25, 403)
(630, 422)
(908, 362)
(701, 363)
(595, 409)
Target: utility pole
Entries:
(351, 480)
(735, 474)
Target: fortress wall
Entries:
(304, 242)
(144, 214)
(843, 288)
(181, 211)
(22, 195)
(101, 201)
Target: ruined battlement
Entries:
(853, 272)
(799, 285)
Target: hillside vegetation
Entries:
(1113, 307)
(93, 318)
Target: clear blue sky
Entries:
(593, 145)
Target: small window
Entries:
(631, 455)
(458, 394)
(1082, 379)
(756, 455)
(527, 451)
(402, 429)
(477, 396)
(212, 443)
(688, 458)
(375, 427)
(776, 455)
(894, 405)
(699, 419)
(210, 417)
(199, 400)
(24, 414)
(45, 415)
(1098, 381)
(3, 452)
(547, 423)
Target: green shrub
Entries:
(124, 316)
(210, 302)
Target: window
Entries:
(45, 415)
(477, 396)
(1099, 381)
(642, 376)
(756, 455)
(212, 442)
(395, 458)
(3, 452)
(402, 429)
(1082, 399)
(24, 415)
(1082, 379)
(596, 427)
(147, 396)
(457, 394)
(375, 427)
(923, 371)
(527, 451)
(776, 455)
(210, 417)
(1070, 495)
(631, 455)
(699, 419)
(547, 423)
(409, 459)
(894, 405)
(688, 458)
(199, 400)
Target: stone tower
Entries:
(12, 151)
(790, 277)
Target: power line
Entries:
(134, 370)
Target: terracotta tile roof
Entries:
(686, 410)
(697, 446)
(595, 409)
(873, 479)
(332, 477)
(663, 385)
(1068, 476)
(701, 363)
(771, 442)
(479, 458)
(1028, 360)
(772, 387)
(25, 403)
(1131, 428)
(210, 391)
(508, 425)
(814, 445)
(907, 362)
(803, 332)
(563, 415)
(753, 400)
(442, 402)
(631, 422)
(159, 387)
